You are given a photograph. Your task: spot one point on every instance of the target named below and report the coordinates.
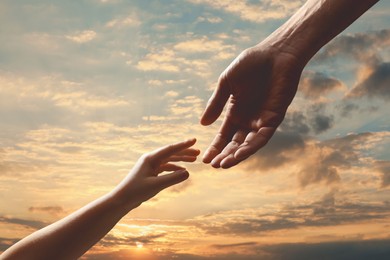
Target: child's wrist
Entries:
(122, 201)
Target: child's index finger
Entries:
(171, 149)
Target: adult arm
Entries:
(72, 236)
(261, 82)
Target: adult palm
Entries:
(258, 86)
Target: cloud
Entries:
(313, 120)
(6, 243)
(327, 211)
(159, 83)
(319, 121)
(244, 244)
(121, 254)
(281, 149)
(295, 122)
(337, 155)
(111, 240)
(43, 42)
(322, 168)
(372, 70)
(191, 56)
(260, 11)
(288, 142)
(376, 84)
(128, 21)
(34, 224)
(187, 106)
(384, 168)
(53, 100)
(204, 45)
(313, 161)
(184, 108)
(163, 60)
(359, 250)
(209, 19)
(346, 108)
(82, 37)
(329, 157)
(171, 94)
(52, 210)
(363, 47)
(12, 169)
(315, 85)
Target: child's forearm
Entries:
(315, 24)
(72, 236)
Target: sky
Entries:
(87, 87)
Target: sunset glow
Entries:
(87, 87)
(139, 244)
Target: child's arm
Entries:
(72, 236)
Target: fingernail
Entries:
(215, 164)
(239, 154)
(185, 173)
(205, 157)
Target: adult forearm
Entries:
(315, 24)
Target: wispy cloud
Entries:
(131, 20)
(188, 56)
(34, 224)
(364, 47)
(325, 212)
(52, 210)
(315, 85)
(376, 84)
(254, 12)
(6, 242)
(384, 168)
(205, 45)
(82, 37)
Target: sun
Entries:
(139, 245)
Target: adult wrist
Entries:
(294, 41)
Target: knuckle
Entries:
(170, 147)
(147, 158)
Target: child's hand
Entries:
(145, 180)
(73, 235)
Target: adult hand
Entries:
(144, 181)
(258, 86)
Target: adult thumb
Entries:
(216, 102)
